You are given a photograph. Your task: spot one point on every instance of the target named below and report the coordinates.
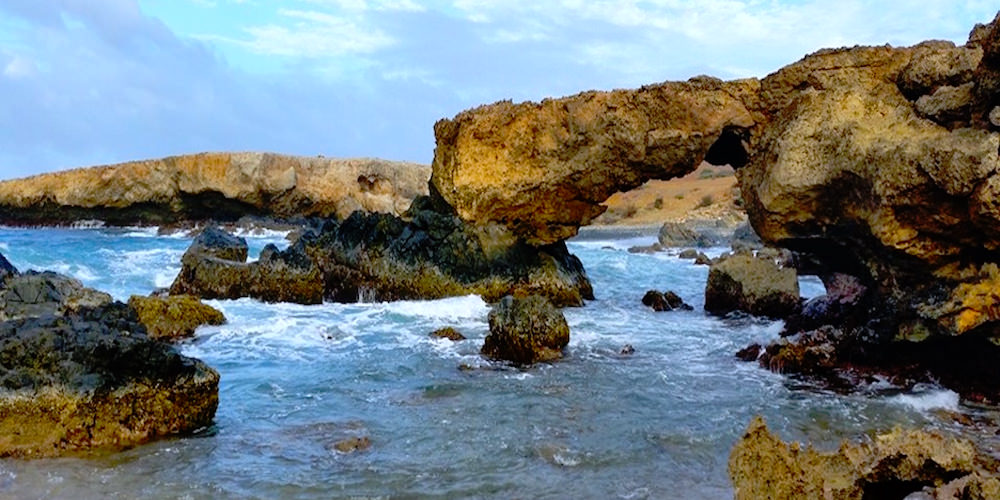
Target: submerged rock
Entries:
(216, 186)
(525, 331)
(892, 465)
(752, 284)
(92, 379)
(448, 333)
(174, 317)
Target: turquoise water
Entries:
(296, 379)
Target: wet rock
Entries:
(7, 270)
(749, 353)
(448, 333)
(892, 465)
(92, 379)
(755, 285)
(214, 242)
(525, 331)
(744, 238)
(702, 260)
(627, 350)
(352, 444)
(543, 169)
(689, 253)
(174, 317)
(379, 257)
(40, 293)
(665, 301)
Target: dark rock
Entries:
(690, 253)
(39, 293)
(217, 243)
(758, 286)
(448, 333)
(93, 379)
(429, 253)
(745, 238)
(526, 330)
(749, 353)
(665, 301)
(702, 260)
(675, 301)
(682, 234)
(627, 350)
(7, 270)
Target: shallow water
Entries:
(296, 379)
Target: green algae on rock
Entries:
(526, 330)
(174, 317)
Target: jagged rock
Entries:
(744, 238)
(892, 465)
(174, 317)
(543, 169)
(755, 285)
(39, 293)
(689, 253)
(448, 333)
(7, 270)
(93, 379)
(526, 330)
(429, 254)
(218, 186)
(215, 242)
(664, 301)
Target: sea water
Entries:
(442, 421)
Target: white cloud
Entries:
(20, 67)
(314, 34)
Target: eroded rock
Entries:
(174, 317)
(752, 284)
(892, 465)
(40, 293)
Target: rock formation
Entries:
(79, 375)
(525, 331)
(543, 169)
(429, 253)
(218, 186)
(881, 164)
(664, 301)
(892, 465)
(175, 317)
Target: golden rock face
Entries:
(543, 169)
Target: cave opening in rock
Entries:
(730, 148)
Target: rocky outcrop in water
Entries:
(753, 284)
(881, 164)
(174, 317)
(45, 293)
(664, 301)
(85, 376)
(892, 465)
(526, 330)
(429, 253)
(543, 169)
(217, 186)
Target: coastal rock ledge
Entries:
(78, 378)
(212, 186)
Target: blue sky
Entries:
(86, 82)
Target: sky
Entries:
(87, 82)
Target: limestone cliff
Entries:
(220, 186)
(543, 169)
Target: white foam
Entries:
(262, 233)
(78, 271)
(454, 308)
(935, 399)
(87, 224)
(4, 247)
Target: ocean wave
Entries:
(924, 400)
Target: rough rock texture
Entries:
(92, 379)
(428, 253)
(36, 294)
(219, 186)
(892, 465)
(525, 331)
(664, 301)
(174, 317)
(448, 333)
(7, 270)
(881, 164)
(752, 284)
(543, 169)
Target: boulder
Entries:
(217, 186)
(526, 330)
(39, 293)
(92, 379)
(543, 169)
(174, 317)
(214, 242)
(755, 285)
(891, 465)
(664, 301)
